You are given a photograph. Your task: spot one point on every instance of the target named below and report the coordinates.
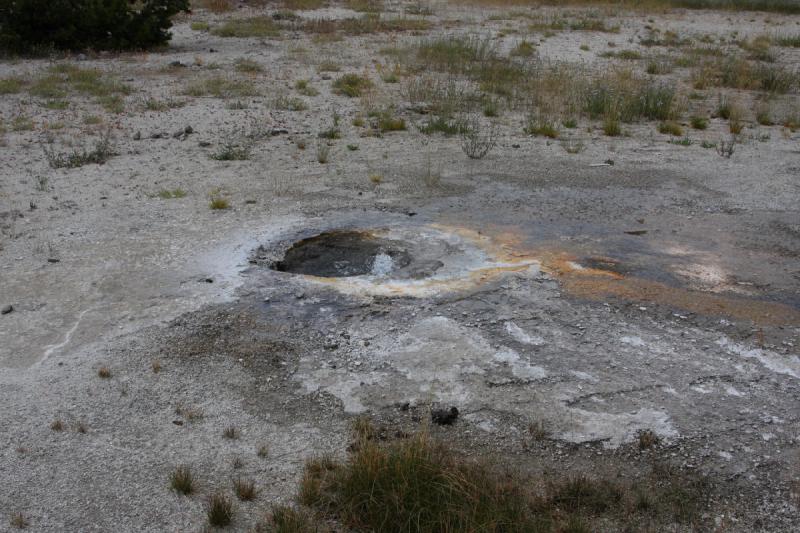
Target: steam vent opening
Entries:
(340, 254)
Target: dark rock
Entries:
(279, 131)
(6, 309)
(183, 134)
(137, 136)
(444, 417)
(53, 260)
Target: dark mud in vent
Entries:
(339, 254)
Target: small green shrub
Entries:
(38, 25)
(699, 123)
(542, 126)
(233, 151)
(305, 88)
(352, 85)
(764, 115)
(670, 127)
(103, 151)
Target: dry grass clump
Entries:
(365, 24)
(365, 6)
(552, 92)
(63, 78)
(283, 519)
(670, 127)
(219, 510)
(215, 6)
(181, 480)
(738, 73)
(778, 6)
(104, 372)
(245, 489)
(260, 26)
(587, 21)
(386, 487)
(301, 5)
(11, 85)
(103, 151)
(699, 123)
(250, 66)
(792, 41)
(623, 94)
(18, 520)
(352, 85)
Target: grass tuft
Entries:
(181, 480)
(18, 520)
(245, 489)
(219, 510)
(284, 519)
(218, 202)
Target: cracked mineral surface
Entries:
(564, 307)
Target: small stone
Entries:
(6, 309)
(137, 136)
